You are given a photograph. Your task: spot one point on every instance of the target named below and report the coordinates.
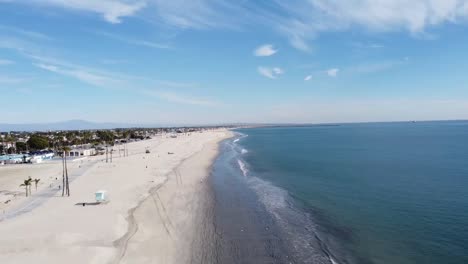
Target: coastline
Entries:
(174, 224)
(256, 221)
(157, 209)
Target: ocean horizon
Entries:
(348, 193)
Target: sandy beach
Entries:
(158, 210)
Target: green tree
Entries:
(36, 181)
(87, 136)
(27, 184)
(9, 138)
(21, 146)
(105, 135)
(37, 142)
(11, 150)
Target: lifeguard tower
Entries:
(101, 196)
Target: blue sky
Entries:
(207, 61)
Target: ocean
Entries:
(382, 193)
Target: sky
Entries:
(220, 61)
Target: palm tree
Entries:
(36, 181)
(30, 184)
(26, 185)
(64, 156)
(66, 186)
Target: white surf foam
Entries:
(243, 168)
(272, 197)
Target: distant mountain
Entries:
(65, 125)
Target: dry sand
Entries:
(159, 209)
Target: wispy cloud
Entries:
(6, 62)
(102, 78)
(180, 99)
(112, 61)
(307, 19)
(111, 10)
(297, 32)
(362, 68)
(99, 77)
(201, 14)
(82, 75)
(106, 80)
(25, 91)
(374, 67)
(133, 41)
(303, 20)
(265, 51)
(362, 45)
(10, 80)
(95, 77)
(24, 33)
(271, 73)
(16, 44)
(300, 21)
(333, 72)
(174, 84)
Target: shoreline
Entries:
(139, 215)
(257, 220)
(157, 208)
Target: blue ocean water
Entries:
(351, 193)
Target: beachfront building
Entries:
(41, 156)
(14, 159)
(7, 145)
(81, 152)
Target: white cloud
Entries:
(300, 21)
(180, 99)
(6, 62)
(308, 78)
(106, 79)
(25, 33)
(81, 75)
(265, 51)
(306, 19)
(133, 41)
(367, 45)
(271, 73)
(377, 66)
(278, 71)
(111, 10)
(200, 14)
(174, 84)
(113, 61)
(333, 72)
(10, 80)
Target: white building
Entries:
(81, 152)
